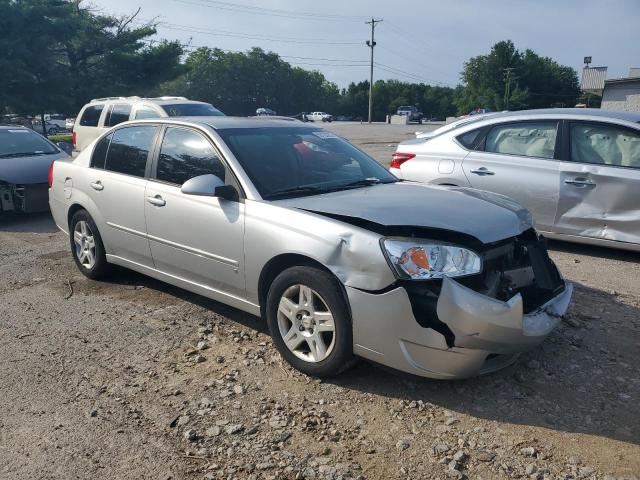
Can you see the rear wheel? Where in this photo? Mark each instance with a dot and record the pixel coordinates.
(87, 247)
(309, 321)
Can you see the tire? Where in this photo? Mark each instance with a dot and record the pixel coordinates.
(52, 130)
(92, 266)
(309, 330)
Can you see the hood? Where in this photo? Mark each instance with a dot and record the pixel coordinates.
(483, 215)
(26, 170)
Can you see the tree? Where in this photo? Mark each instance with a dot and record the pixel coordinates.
(239, 82)
(55, 55)
(506, 76)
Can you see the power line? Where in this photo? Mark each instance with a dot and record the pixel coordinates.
(397, 71)
(267, 38)
(413, 60)
(251, 9)
(350, 62)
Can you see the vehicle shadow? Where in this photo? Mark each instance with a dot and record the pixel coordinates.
(27, 223)
(582, 379)
(128, 278)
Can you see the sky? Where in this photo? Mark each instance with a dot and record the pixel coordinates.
(419, 41)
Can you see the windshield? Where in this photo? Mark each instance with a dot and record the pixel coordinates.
(23, 142)
(192, 110)
(287, 162)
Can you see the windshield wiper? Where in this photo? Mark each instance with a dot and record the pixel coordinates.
(303, 190)
(21, 154)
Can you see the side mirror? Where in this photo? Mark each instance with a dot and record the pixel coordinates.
(209, 186)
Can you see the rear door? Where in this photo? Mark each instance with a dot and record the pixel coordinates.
(116, 183)
(600, 182)
(518, 159)
(195, 238)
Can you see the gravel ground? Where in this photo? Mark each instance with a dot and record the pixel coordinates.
(132, 378)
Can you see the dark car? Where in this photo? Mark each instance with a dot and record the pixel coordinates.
(25, 158)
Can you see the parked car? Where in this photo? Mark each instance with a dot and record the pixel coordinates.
(265, 112)
(102, 113)
(576, 170)
(413, 112)
(25, 158)
(319, 117)
(293, 223)
(54, 123)
(480, 111)
(68, 124)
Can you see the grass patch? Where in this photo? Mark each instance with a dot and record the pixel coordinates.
(60, 138)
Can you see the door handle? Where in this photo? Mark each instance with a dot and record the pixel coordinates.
(158, 201)
(97, 185)
(482, 171)
(580, 182)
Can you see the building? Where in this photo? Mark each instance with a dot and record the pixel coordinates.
(622, 94)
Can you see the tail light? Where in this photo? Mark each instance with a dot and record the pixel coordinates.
(73, 138)
(399, 158)
(51, 173)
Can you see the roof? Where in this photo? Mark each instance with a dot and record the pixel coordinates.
(12, 127)
(220, 122)
(614, 81)
(574, 112)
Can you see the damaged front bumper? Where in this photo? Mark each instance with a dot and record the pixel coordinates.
(30, 198)
(487, 334)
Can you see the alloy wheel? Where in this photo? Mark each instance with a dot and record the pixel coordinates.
(85, 244)
(306, 324)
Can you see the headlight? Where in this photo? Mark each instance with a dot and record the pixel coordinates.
(427, 259)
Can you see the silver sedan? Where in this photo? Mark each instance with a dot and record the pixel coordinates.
(576, 170)
(296, 225)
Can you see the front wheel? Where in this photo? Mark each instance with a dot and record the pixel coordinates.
(309, 321)
(87, 247)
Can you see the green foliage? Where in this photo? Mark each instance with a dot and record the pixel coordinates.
(535, 81)
(238, 83)
(61, 138)
(55, 55)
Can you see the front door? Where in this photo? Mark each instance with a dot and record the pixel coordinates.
(195, 238)
(517, 159)
(116, 184)
(600, 182)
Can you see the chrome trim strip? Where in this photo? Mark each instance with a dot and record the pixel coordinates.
(127, 230)
(194, 251)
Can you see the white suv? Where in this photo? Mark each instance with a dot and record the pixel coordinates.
(100, 114)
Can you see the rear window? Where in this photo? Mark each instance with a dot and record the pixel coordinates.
(470, 139)
(192, 110)
(23, 142)
(91, 116)
(117, 114)
(129, 150)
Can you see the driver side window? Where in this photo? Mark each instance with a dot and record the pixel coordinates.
(186, 154)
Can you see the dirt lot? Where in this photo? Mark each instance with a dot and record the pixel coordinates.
(134, 379)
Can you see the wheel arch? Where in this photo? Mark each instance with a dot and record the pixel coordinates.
(279, 264)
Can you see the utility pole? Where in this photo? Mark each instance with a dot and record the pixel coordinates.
(371, 44)
(507, 86)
